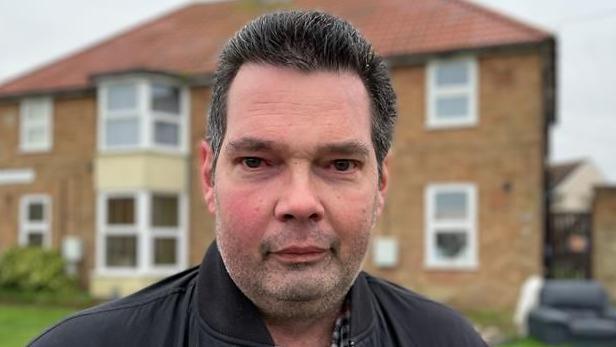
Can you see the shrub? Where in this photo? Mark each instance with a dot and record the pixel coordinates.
(33, 269)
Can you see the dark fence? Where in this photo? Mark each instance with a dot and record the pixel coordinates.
(568, 246)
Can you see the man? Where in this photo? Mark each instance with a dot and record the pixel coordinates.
(295, 169)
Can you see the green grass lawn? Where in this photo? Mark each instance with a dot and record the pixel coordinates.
(20, 323)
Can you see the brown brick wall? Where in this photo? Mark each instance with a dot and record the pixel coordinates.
(64, 173)
(201, 222)
(502, 155)
(604, 237)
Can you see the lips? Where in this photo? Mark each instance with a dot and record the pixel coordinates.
(300, 254)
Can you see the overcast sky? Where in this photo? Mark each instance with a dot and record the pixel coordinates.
(33, 33)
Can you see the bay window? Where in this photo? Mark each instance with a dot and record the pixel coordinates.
(142, 113)
(141, 232)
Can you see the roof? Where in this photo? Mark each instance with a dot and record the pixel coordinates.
(187, 41)
(557, 173)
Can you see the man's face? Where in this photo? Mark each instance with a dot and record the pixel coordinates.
(296, 188)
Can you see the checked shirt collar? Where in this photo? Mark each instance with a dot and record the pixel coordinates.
(341, 336)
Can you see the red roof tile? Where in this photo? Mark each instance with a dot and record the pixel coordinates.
(188, 40)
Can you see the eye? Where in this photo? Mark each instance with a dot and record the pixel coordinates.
(252, 162)
(343, 164)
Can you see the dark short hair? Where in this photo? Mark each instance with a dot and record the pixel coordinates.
(307, 41)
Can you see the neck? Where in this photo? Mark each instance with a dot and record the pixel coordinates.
(315, 331)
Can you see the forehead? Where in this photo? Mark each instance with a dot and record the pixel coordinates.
(264, 99)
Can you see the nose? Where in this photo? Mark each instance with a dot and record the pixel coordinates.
(299, 199)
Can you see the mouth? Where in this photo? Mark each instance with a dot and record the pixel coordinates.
(300, 254)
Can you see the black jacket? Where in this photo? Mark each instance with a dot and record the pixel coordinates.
(203, 307)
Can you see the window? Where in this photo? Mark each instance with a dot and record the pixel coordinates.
(139, 113)
(451, 226)
(122, 116)
(166, 114)
(120, 216)
(165, 223)
(121, 251)
(36, 125)
(452, 93)
(141, 232)
(35, 221)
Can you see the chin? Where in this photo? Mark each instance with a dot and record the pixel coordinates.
(306, 290)
(302, 300)
(308, 284)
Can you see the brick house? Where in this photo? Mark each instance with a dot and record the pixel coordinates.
(99, 149)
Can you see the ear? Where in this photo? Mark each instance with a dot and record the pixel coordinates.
(207, 179)
(383, 184)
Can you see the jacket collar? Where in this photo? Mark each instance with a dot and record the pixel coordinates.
(225, 309)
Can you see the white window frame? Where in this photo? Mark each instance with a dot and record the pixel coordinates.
(434, 92)
(126, 114)
(26, 124)
(146, 115)
(144, 232)
(165, 232)
(166, 117)
(469, 224)
(26, 226)
(16, 176)
(118, 230)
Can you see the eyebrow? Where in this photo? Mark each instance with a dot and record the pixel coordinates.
(346, 148)
(251, 144)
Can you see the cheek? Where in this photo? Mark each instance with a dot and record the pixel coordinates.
(243, 217)
(352, 214)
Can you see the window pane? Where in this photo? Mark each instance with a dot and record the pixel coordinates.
(452, 106)
(122, 132)
(452, 73)
(36, 112)
(165, 98)
(35, 135)
(165, 251)
(164, 211)
(36, 212)
(122, 97)
(121, 211)
(451, 245)
(166, 133)
(35, 239)
(121, 251)
(451, 205)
